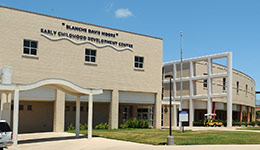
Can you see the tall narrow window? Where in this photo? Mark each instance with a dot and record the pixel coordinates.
(224, 84)
(90, 55)
(30, 47)
(246, 89)
(205, 82)
(139, 62)
(237, 87)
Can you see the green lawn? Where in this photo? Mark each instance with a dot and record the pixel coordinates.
(249, 128)
(158, 137)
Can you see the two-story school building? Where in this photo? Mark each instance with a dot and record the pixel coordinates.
(126, 66)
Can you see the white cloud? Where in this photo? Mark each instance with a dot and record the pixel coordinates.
(123, 13)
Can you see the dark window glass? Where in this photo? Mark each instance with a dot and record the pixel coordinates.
(29, 107)
(145, 110)
(93, 53)
(12, 107)
(93, 59)
(26, 50)
(4, 127)
(20, 107)
(26, 43)
(87, 58)
(139, 110)
(224, 83)
(33, 51)
(90, 55)
(33, 44)
(74, 108)
(139, 62)
(81, 108)
(30, 47)
(67, 108)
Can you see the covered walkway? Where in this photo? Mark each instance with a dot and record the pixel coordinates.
(66, 86)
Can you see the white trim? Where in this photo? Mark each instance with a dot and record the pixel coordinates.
(85, 42)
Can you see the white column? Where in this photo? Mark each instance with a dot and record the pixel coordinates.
(15, 117)
(59, 112)
(90, 115)
(77, 115)
(229, 93)
(175, 113)
(209, 104)
(191, 108)
(114, 110)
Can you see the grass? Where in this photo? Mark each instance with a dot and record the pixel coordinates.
(159, 137)
(249, 128)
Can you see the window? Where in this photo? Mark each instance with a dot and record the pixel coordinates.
(237, 87)
(29, 107)
(90, 55)
(246, 89)
(139, 62)
(81, 108)
(205, 82)
(30, 47)
(224, 84)
(20, 107)
(67, 108)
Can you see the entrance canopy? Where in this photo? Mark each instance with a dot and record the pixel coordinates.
(61, 84)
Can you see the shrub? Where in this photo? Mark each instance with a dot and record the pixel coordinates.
(86, 126)
(71, 127)
(236, 123)
(102, 126)
(135, 123)
(198, 123)
(258, 123)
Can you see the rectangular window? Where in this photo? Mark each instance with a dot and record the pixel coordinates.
(67, 108)
(81, 108)
(246, 89)
(139, 62)
(29, 107)
(237, 87)
(20, 107)
(30, 47)
(224, 84)
(90, 55)
(205, 82)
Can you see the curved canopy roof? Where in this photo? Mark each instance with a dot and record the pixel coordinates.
(61, 84)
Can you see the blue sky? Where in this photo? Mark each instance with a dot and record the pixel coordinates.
(209, 26)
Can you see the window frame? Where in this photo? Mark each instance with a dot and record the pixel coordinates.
(90, 56)
(138, 62)
(30, 48)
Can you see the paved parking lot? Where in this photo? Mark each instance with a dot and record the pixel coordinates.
(67, 141)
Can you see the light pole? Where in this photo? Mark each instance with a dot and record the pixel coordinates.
(170, 138)
(180, 108)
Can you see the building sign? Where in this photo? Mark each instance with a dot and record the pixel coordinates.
(183, 116)
(86, 35)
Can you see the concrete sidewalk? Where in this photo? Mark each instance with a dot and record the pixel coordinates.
(67, 141)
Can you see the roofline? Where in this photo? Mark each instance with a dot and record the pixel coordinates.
(178, 61)
(1, 6)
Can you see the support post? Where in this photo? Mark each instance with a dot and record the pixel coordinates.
(209, 84)
(214, 110)
(15, 117)
(6, 107)
(248, 114)
(229, 93)
(59, 112)
(114, 110)
(90, 115)
(191, 107)
(241, 113)
(77, 115)
(158, 107)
